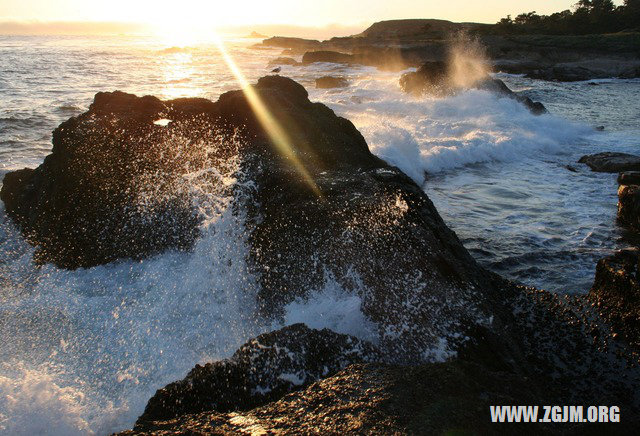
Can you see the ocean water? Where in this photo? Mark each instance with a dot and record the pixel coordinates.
(82, 351)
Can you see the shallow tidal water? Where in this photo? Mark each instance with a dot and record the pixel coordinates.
(82, 351)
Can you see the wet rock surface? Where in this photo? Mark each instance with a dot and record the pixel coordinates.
(611, 162)
(263, 370)
(616, 294)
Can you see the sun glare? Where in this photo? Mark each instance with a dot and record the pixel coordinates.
(178, 27)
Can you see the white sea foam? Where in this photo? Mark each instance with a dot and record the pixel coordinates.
(435, 134)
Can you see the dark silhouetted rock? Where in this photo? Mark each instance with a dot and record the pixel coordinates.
(434, 78)
(327, 56)
(312, 214)
(430, 78)
(263, 370)
(276, 70)
(629, 178)
(616, 294)
(328, 82)
(629, 206)
(611, 162)
(283, 61)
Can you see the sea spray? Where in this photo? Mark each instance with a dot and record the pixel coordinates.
(468, 63)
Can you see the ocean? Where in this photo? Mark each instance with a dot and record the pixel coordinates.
(82, 351)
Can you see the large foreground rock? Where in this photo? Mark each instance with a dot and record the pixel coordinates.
(117, 185)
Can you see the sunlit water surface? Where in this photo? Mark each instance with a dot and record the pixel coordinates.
(82, 351)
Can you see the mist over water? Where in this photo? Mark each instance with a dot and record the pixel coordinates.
(83, 350)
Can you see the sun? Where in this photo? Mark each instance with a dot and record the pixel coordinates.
(184, 23)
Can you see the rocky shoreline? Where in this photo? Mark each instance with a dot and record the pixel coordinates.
(450, 339)
(400, 44)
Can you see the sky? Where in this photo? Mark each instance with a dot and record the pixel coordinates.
(317, 13)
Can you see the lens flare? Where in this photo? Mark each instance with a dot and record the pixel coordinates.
(272, 127)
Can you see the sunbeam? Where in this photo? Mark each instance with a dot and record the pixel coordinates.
(276, 132)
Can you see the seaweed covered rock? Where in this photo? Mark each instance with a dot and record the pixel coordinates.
(263, 370)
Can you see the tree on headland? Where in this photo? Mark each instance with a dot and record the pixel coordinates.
(587, 17)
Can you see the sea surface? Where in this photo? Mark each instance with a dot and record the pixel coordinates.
(82, 351)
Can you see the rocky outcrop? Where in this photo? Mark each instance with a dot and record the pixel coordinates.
(430, 78)
(110, 188)
(295, 44)
(616, 294)
(498, 87)
(263, 370)
(611, 162)
(334, 57)
(629, 200)
(328, 82)
(283, 61)
(435, 78)
(375, 399)
(320, 200)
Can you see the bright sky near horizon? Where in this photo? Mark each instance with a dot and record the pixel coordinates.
(246, 12)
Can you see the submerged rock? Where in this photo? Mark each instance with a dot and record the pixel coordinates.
(328, 82)
(611, 162)
(434, 78)
(263, 370)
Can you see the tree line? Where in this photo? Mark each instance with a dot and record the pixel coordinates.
(587, 17)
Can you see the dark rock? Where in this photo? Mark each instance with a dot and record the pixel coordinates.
(430, 78)
(629, 178)
(563, 74)
(442, 398)
(611, 162)
(434, 78)
(109, 190)
(315, 209)
(499, 87)
(276, 70)
(263, 370)
(616, 294)
(328, 82)
(283, 61)
(571, 168)
(296, 44)
(327, 56)
(629, 206)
